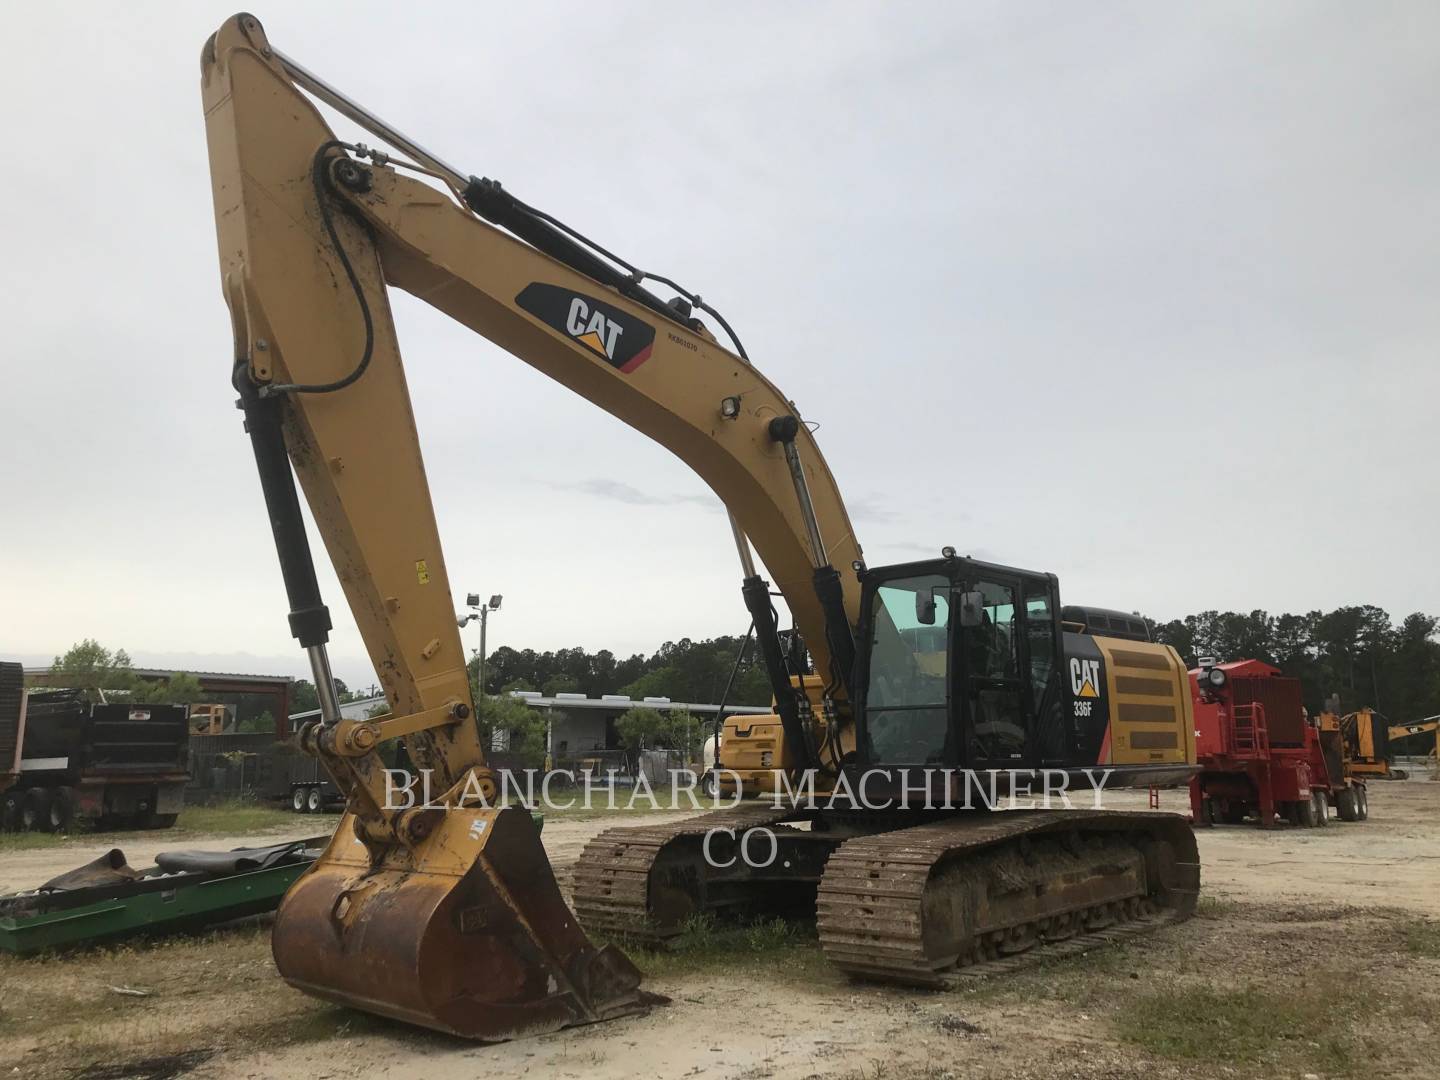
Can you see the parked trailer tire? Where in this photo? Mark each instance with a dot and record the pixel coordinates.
(1362, 802)
(297, 800)
(35, 810)
(314, 801)
(1347, 805)
(152, 820)
(62, 810)
(10, 810)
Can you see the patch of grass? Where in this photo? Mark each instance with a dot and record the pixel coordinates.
(1214, 907)
(1296, 1027)
(195, 822)
(1422, 938)
(241, 816)
(41, 994)
(26, 841)
(213, 991)
(706, 945)
(1087, 979)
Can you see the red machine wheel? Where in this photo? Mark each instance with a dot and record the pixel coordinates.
(1347, 805)
(1322, 807)
(1362, 802)
(1304, 810)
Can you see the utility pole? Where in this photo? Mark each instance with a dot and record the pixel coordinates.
(482, 612)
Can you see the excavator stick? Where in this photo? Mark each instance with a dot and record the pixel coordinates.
(447, 916)
(470, 936)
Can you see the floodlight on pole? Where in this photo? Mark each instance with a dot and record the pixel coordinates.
(482, 612)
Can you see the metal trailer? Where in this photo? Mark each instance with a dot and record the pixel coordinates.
(106, 900)
(118, 765)
(12, 723)
(310, 791)
(1261, 756)
(255, 765)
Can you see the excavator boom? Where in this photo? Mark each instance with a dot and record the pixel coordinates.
(447, 917)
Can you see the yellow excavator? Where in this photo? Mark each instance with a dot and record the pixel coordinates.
(1367, 736)
(903, 688)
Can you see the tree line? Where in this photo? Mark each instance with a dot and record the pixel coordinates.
(103, 674)
(683, 670)
(1356, 653)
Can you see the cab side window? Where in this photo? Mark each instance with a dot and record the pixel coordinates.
(990, 648)
(1040, 636)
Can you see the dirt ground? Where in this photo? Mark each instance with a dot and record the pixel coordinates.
(1316, 954)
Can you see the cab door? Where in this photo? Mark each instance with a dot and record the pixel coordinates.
(1045, 670)
(992, 674)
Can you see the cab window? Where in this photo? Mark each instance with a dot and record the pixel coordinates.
(909, 656)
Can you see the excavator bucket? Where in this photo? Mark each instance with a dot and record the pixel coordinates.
(467, 934)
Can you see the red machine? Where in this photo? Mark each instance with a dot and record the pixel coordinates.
(1260, 754)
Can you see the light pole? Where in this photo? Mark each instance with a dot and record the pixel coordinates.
(481, 612)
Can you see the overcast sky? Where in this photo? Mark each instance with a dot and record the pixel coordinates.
(1142, 294)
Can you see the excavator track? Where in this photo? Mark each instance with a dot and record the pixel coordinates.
(644, 881)
(965, 895)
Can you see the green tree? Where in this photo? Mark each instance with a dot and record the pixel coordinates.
(684, 670)
(527, 728)
(89, 666)
(255, 724)
(560, 684)
(303, 696)
(683, 732)
(1410, 673)
(181, 688)
(644, 728)
(1355, 652)
(639, 727)
(1179, 635)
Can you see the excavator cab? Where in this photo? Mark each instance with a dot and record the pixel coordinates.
(957, 662)
(963, 664)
